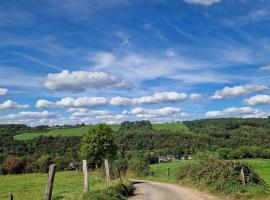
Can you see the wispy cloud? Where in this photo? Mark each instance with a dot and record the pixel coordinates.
(203, 2)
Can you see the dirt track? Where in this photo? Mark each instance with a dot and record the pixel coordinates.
(148, 190)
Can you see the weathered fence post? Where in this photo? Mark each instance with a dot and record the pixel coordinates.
(107, 169)
(49, 187)
(85, 177)
(168, 171)
(11, 196)
(242, 174)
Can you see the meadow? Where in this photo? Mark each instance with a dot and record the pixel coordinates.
(80, 131)
(67, 185)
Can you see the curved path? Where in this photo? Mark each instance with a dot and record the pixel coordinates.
(149, 190)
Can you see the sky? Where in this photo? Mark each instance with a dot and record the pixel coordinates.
(92, 61)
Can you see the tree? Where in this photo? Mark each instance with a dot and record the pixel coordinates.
(97, 145)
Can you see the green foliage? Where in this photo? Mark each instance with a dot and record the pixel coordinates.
(43, 163)
(117, 192)
(128, 126)
(97, 145)
(219, 175)
(138, 165)
(12, 129)
(244, 152)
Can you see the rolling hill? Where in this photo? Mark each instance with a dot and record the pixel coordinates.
(82, 130)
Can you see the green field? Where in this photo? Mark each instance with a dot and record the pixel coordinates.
(32, 186)
(262, 167)
(60, 132)
(82, 130)
(160, 170)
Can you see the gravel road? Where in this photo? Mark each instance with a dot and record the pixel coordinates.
(149, 190)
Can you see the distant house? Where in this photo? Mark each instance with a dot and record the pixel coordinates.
(186, 157)
(166, 158)
(74, 166)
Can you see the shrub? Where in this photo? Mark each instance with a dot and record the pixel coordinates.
(219, 175)
(12, 165)
(138, 166)
(43, 163)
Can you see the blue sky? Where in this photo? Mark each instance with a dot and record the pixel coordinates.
(67, 62)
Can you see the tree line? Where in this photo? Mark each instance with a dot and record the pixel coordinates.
(229, 138)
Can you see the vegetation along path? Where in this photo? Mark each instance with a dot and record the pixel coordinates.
(149, 190)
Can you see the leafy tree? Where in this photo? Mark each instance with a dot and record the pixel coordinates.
(97, 145)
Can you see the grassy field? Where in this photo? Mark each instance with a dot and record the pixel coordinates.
(60, 132)
(160, 170)
(32, 186)
(82, 130)
(262, 167)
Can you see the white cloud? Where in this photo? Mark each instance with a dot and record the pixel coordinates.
(34, 115)
(120, 101)
(229, 92)
(43, 103)
(195, 97)
(160, 97)
(86, 102)
(80, 102)
(9, 104)
(83, 102)
(82, 112)
(203, 2)
(33, 118)
(265, 68)
(161, 114)
(154, 112)
(234, 111)
(258, 100)
(78, 81)
(3, 91)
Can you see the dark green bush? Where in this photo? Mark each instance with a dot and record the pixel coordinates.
(219, 175)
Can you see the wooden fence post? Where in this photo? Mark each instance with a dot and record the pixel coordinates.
(168, 171)
(49, 187)
(107, 169)
(242, 174)
(11, 196)
(85, 177)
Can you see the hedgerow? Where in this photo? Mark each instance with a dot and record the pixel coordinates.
(219, 175)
